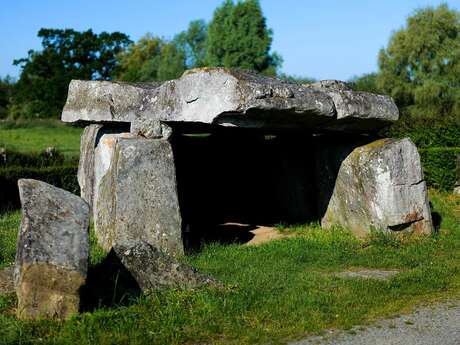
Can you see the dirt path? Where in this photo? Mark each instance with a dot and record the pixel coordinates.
(435, 325)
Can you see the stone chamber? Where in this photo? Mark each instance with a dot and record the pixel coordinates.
(189, 161)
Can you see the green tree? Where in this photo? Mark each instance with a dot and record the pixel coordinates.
(6, 88)
(238, 37)
(420, 67)
(193, 43)
(67, 54)
(151, 59)
(366, 82)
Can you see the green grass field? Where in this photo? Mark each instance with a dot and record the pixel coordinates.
(36, 136)
(275, 292)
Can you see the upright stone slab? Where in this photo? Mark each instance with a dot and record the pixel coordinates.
(457, 183)
(86, 165)
(52, 251)
(136, 194)
(379, 185)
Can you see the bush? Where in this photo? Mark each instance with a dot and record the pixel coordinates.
(62, 176)
(426, 133)
(52, 157)
(440, 166)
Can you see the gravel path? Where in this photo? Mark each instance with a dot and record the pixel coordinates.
(435, 325)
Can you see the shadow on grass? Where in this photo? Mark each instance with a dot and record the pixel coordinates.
(108, 284)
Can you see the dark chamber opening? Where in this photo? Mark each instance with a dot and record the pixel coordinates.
(244, 178)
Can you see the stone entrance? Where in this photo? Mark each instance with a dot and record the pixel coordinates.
(218, 146)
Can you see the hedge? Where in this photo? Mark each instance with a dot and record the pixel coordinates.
(440, 166)
(63, 176)
(9, 158)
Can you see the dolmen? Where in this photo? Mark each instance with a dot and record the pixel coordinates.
(160, 161)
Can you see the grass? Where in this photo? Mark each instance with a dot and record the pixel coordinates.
(274, 292)
(37, 135)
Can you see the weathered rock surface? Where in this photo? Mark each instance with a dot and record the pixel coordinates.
(351, 105)
(379, 185)
(7, 280)
(155, 270)
(457, 184)
(52, 251)
(86, 165)
(229, 98)
(136, 193)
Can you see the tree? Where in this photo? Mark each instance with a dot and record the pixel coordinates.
(193, 43)
(366, 82)
(420, 67)
(238, 37)
(6, 87)
(67, 54)
(151, 59)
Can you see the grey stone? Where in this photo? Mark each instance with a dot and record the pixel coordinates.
(379, 185)
(7, 280)
(86, 165)
(226, 97)
(368, 274)
(351, 106)
(52, 251)
(457, 183)
(136, 193)
(155, 270)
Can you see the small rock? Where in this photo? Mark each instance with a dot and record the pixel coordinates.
(368, 274)
(155, 270)
(52, 251)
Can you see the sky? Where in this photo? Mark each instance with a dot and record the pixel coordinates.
(321, 39)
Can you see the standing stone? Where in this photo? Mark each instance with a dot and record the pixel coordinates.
(52, 251)
(457, 183)
(86, 166)
(154, 270)
(379, 186)
(136, 194)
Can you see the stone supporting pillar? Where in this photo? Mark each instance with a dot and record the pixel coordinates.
(457, 183)
(86, 165)
(136, 193)
(376, 186)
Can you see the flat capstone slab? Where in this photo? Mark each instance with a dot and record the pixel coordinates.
(232, 98)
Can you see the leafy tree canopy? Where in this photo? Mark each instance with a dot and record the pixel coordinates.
(6, 87)
(193, 43)
(238, 37)
(420, 67)
(67, 54)
(151, 58)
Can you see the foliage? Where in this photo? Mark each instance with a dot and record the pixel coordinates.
(426, 133)
(420, 67)
(238, 37)
(63, 176)
(365, 82)
(67, 54)
(193, 43)
(296, 79)
(150, 59)
(275, 292)
(6, 88)
(440, 167)
(31, 159)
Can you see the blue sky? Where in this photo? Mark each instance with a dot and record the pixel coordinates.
(323, 39)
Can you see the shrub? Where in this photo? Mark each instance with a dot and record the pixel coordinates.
(62, 176)
(52, 157)
(440, 166)
(426, 133)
